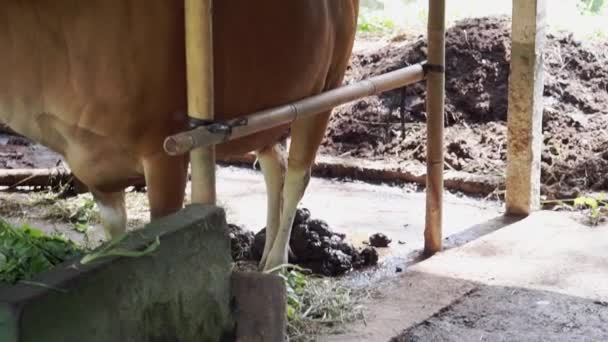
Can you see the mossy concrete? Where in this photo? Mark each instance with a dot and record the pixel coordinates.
(180, 292)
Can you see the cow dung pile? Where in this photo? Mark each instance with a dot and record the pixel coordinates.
(379, 240)
(313, 246)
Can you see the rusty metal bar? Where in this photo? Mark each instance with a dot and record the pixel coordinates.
(219, 132)
(199, 63)
(435, 113)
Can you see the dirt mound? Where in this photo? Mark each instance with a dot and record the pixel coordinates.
(392, 125)
(17, 152)
(313, 245)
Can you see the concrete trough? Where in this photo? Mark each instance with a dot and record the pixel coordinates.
(183, 291)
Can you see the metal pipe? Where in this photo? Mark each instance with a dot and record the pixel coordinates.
(199, 63)
(224, 131)
(435, 97)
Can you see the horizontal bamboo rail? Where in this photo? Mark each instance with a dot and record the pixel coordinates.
(219, 132)
(13, 178)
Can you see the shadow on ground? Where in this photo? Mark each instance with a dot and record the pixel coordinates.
(479, 230)
(426, 307)
(501, 313)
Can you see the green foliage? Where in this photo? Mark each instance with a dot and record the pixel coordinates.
(591, 6)
(371, 21)
(27, 251)
(595, 209)
(296, 284)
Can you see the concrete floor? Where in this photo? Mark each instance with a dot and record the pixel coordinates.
(354, 208)
(358, 210)
(548, 268)
(544, 277)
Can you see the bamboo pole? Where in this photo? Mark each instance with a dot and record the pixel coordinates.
(250, 124)
(435, 115)
(199, 63)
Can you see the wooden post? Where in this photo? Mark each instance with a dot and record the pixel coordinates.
(435, 120)
(199, 62)
(525, 107)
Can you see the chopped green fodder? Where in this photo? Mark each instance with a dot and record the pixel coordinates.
(80, 211)
(318, 305)
(26, 252)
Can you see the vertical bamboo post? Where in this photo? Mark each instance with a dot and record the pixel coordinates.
(199, 66)
(435, 121)
(524, 135)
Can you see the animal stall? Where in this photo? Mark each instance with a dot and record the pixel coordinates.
(185, 288)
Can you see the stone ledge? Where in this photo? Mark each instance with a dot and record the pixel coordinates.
(180, 292)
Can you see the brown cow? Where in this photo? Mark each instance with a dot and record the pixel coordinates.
(103, 83)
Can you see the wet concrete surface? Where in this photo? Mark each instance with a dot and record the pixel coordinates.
(353, 208)
(359, 210)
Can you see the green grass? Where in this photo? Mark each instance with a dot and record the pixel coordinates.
(26, 251)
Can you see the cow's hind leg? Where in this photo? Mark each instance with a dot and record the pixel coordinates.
(306, 135)
(166, 182)
(112, 212)
(272, 161)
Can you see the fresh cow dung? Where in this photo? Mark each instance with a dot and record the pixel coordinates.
(313, 245)
(379, 240)
(241, 241)
(369, 255)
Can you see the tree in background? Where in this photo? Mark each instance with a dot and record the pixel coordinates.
(591, 6)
